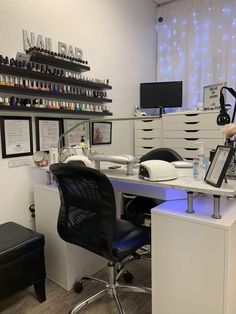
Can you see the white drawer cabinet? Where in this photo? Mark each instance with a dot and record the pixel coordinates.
(193, 263)
(147, 135)
(181, 131)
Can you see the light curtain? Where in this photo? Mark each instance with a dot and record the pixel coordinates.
(196, 43)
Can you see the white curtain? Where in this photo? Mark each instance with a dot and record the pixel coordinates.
(196, 43)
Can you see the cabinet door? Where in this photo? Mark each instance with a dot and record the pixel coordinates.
(188, 260)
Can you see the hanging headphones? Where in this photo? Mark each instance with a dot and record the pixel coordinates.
(223, 118)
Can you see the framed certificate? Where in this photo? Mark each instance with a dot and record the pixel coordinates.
(48, 131)
(16, 136)
(101, 133)
(219, 165)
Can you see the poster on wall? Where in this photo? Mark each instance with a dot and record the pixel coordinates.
(211, 96)
(48, 131)
(16, 136)
(101, 133)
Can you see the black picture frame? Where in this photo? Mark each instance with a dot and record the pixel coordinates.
(219, 165)
(18, 131)
(44, 144)
(101, 133)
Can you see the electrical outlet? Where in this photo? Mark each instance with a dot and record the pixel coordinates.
(14, 163)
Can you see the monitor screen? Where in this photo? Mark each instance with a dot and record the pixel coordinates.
(161, 94)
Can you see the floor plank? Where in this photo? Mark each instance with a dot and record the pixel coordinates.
(60, 301)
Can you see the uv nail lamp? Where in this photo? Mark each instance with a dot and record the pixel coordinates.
(157, 170)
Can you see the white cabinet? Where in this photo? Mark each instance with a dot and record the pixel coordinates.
(147, 135)
(65, 262)
(193, 258)
(181, 130)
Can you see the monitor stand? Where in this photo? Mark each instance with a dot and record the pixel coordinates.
(161, 111)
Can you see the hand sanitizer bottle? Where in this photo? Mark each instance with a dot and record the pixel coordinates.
(199, 163)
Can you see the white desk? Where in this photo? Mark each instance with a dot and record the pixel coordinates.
(193, 255)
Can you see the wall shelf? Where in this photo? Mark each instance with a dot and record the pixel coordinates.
(59, 63)
(19, 72)
(46, 110)
(12, 90)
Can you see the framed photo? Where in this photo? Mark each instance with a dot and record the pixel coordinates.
(211, 96)
(101, 133)
(74, 137)
(16, 136)
(219, 165)
(48, 131)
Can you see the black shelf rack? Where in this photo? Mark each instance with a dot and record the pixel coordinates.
(9, 70)
(46, 110)
(12, 90)
(58, 63)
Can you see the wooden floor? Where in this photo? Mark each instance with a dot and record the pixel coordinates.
(60, 301)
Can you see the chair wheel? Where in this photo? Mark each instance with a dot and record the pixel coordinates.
(128, 277)
(78, 287)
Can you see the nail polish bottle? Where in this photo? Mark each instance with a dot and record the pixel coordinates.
(28, 103)
(18, 104)
(1, 101)
(6, 101)
(12, 101)
(2, 82)
(24, 66)
(33, 67)
(6, 61)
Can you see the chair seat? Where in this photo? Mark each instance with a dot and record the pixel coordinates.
(16, 240)
(128, 238)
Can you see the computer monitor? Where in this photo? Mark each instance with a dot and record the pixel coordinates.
(161, 94)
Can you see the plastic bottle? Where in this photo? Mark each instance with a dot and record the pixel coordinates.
(199, 163)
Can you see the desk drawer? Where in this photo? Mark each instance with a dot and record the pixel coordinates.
(191, 153)
(191, 143)
(152, 142)
(201, 125)
(193, 117)
(193, 134)
(147, 124)
(148, 133)
(142, 150)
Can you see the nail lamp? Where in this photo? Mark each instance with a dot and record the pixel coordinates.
(157, 170)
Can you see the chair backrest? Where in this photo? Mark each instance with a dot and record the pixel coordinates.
(87, 212)
(162, 153)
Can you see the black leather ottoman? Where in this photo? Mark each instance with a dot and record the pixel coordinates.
(21, 260)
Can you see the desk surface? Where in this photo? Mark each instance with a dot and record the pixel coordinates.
(185, 181)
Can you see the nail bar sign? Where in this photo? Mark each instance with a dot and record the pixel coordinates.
(46, 43)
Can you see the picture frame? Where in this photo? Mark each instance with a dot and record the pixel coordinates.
(219, 165)
(101, 133)
(48, 131)
(211, 96)
(16, 136)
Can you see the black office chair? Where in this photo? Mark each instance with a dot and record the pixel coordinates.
(87, 218)
(162, 153)
(137, 208)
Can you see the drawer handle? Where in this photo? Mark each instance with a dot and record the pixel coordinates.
(191, 131)
(147, 147)
(191, 148)
(192, 139)
(188, 158)
(191, 114)
(147, 130)
(147, 120)
(191, 122)
(148, 138)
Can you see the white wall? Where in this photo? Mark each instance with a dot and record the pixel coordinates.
(118, 39)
